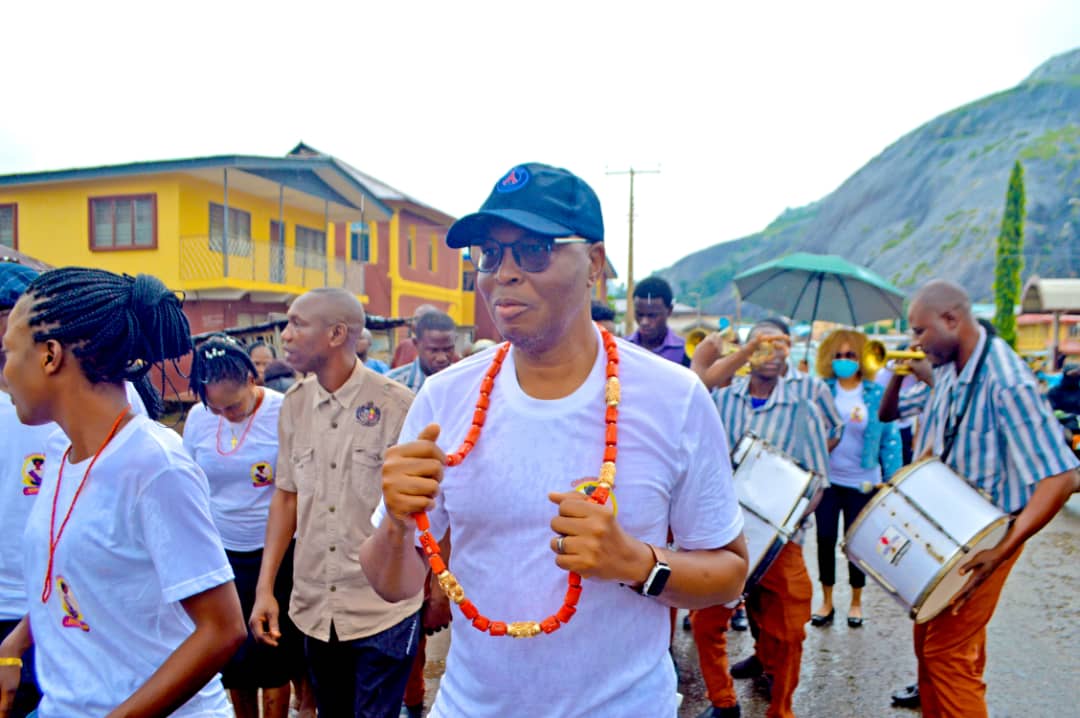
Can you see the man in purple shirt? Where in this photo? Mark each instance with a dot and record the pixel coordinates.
(652, 307)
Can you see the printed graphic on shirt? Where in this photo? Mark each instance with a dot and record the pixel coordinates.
(72, 617)
(368, 414)
(588, 485)
(32, 469)
(857, 415)
(262, 474)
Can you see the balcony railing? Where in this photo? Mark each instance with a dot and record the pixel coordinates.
(260, 260)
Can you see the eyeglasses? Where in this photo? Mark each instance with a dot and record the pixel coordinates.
(532, 254)
(845, 355)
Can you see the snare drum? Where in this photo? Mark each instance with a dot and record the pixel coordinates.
(774, 492)
(917, 531)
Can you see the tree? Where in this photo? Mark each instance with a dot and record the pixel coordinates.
(1010, 258)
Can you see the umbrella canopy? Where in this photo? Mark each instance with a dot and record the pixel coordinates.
(807, 287)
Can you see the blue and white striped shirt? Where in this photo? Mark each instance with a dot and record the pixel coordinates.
(411, 375)
(799, 418)
(1008, 441)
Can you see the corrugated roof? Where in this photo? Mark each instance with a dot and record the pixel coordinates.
(1051, 295)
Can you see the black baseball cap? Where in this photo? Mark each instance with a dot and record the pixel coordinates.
(545, 200)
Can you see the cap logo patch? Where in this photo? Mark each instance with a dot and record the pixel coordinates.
(513, 180)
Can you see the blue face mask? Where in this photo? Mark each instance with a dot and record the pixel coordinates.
(844, 368)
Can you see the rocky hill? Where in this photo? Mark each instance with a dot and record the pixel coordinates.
(930, 204)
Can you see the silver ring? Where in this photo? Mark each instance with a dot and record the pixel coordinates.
(558, 544)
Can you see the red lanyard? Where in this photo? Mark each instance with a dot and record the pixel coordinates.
(54, 542)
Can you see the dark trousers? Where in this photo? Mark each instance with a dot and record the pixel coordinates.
(835, 500)
(365, 677)
(28, 695)
(907, 436)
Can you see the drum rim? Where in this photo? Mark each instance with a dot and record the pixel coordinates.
(961, 552)
(889, 486)
(814, 480)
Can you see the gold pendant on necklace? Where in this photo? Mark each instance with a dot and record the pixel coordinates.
(232, 442)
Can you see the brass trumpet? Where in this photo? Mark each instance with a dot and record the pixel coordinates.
(875, 356)
(694, 338)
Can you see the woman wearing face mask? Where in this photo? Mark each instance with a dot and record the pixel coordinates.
(869, 452)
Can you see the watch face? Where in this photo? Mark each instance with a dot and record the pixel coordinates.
(658, 579)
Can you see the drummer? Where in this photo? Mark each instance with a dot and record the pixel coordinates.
(985, 418)
(797, 416)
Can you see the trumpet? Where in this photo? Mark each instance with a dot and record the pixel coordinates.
(694, 338)
(875, 356)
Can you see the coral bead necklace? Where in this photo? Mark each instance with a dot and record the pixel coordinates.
(605, 483)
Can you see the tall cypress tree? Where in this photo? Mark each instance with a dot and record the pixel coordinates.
(1010, 258)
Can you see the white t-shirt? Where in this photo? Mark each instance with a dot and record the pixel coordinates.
(241, 480)
(140, 539)
(845, 461)
(673, 469)
(22, 465)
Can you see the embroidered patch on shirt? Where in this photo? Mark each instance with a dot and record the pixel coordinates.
(368, 414)
(262, 474)
(72, 617)
(31, 474)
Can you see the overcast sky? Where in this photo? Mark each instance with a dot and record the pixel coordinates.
(746, 108)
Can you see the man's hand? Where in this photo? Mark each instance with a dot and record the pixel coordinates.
(980, 568)
(264, 619)
(435, 613)
(756, 349)
(411, 474)
(594, 544)
(10, 676)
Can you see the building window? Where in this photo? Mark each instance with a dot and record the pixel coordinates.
(128, 222)
(433, 253)
(360, 244)
(239, 230)
(468, 280)
(9, 225)
(410, 248)
(310, 248)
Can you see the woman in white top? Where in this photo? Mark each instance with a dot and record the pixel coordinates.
(868, 453)
(233, 436)
(132, 609)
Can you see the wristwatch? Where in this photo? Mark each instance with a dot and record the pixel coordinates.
(658, 577)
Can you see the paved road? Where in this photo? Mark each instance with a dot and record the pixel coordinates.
(1033, 669)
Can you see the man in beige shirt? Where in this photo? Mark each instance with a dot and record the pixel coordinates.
(334, 427)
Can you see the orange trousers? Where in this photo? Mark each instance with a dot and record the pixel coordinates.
(952, 652)
(779, 607)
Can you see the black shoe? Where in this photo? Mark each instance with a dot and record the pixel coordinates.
(714, 712)
(907, 697)
(686, 622)
(747, 668)
(763, 686)
(854, 622)
(826, 620)
(739, 622)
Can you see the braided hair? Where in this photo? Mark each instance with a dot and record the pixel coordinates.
(117, 326)
(220, 359)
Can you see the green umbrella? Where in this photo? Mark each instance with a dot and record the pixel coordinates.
(807, 287)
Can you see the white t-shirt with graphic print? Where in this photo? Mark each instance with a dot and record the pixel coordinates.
(140, 539)
(22, 466)
(845, 461)
(241, 479)
(673, 469)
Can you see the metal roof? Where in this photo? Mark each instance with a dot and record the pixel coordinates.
(1051, 295)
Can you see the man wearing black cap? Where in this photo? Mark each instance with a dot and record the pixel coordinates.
(542, 428)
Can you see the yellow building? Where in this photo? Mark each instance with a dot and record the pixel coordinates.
(240, 236)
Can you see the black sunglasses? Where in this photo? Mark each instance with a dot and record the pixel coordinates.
(845, 355)
(532, 254)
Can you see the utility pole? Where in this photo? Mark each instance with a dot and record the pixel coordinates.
(629, 317)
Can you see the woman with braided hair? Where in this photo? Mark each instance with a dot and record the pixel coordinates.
(232, 433)
(132, 605)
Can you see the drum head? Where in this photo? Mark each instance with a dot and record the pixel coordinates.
(940, 593)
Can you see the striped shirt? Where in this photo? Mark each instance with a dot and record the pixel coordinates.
(411, 375)
(1009, 439)
(799, 417)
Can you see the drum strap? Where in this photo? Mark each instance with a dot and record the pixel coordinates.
(952, 428)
